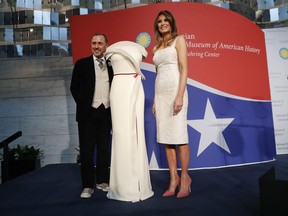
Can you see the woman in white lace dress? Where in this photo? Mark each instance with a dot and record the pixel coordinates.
(129, 171)
(171, 100)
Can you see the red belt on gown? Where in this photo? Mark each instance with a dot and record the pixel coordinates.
(135, 74)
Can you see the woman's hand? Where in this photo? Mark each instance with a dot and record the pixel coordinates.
(178, 104)
(153, 109)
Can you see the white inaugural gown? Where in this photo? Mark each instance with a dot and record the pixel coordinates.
(129, 173)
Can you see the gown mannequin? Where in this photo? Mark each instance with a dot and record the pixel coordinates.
(129, 171)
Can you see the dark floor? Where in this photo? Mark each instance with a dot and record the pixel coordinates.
(54, 190)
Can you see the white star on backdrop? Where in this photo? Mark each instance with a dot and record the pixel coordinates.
(211, 129)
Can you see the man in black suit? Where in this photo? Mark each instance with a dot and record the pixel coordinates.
(90, 88)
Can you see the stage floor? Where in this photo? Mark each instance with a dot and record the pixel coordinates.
(54, 190)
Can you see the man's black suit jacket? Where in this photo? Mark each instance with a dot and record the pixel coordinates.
(83, 85)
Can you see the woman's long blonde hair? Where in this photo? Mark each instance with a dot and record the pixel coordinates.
(158, 35)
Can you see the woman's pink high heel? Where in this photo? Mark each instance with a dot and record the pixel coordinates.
(185, 194)
(171, 193)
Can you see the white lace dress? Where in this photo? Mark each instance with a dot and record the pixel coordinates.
(129, 171)
(170, 129)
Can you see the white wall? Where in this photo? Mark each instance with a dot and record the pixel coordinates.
(35, 98)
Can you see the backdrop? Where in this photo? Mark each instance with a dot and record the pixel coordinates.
(230, 116)
(277, 56)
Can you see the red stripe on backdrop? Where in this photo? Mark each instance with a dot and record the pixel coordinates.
(226, 51)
